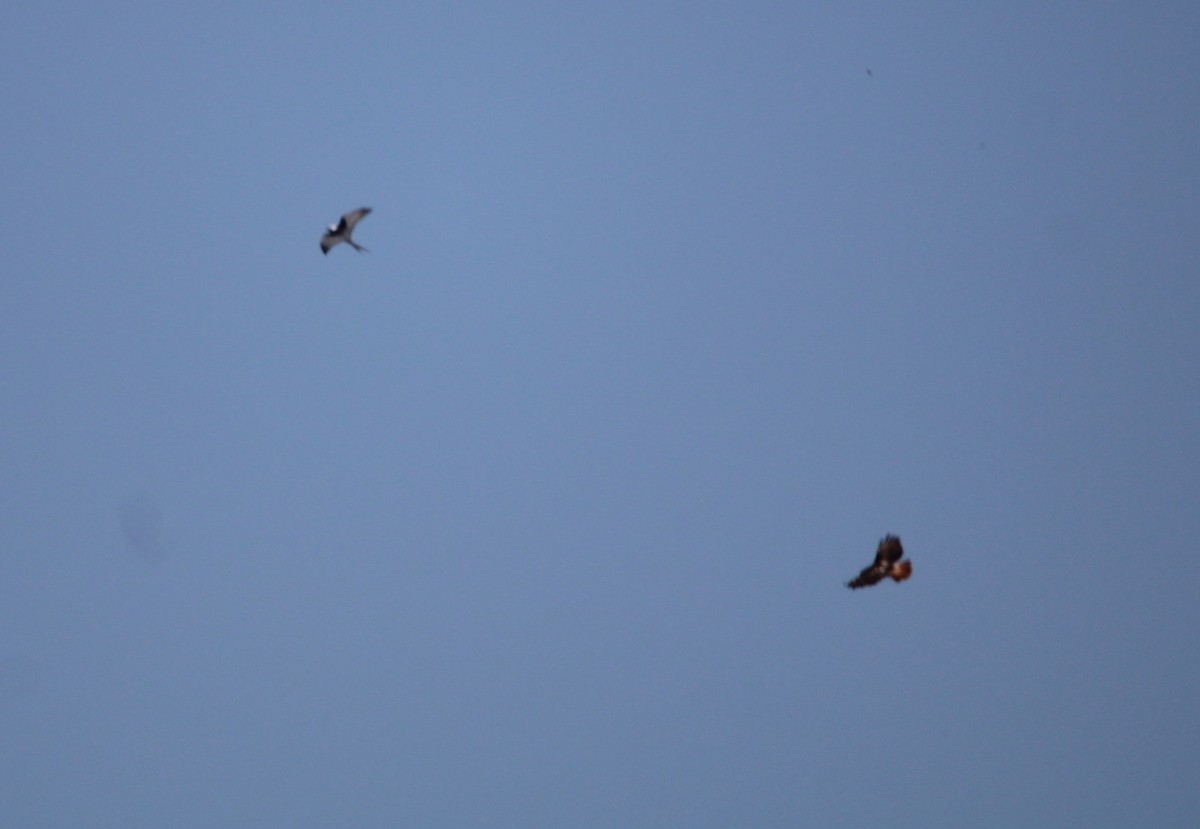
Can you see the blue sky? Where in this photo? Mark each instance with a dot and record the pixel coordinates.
(539, 514)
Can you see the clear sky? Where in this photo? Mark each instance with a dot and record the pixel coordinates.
(539, 514)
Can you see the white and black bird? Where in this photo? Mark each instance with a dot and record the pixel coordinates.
(341, 231)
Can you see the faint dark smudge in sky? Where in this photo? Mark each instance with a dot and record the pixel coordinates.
(141, 524)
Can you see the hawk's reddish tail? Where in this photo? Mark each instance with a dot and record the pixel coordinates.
(902, 570)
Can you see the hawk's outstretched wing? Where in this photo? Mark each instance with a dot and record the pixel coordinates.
(889, 550)
(869, 575)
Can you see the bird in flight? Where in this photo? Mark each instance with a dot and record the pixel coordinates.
(341, 231)
(887, 563)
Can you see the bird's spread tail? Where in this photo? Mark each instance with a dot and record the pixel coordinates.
(902, 570)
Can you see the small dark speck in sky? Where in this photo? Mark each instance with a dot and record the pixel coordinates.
(141, 524)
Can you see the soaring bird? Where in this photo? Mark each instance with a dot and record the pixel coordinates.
(341, 231)
(887, 563)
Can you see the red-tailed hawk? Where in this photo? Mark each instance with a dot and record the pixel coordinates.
(887, 563)
(341, 231)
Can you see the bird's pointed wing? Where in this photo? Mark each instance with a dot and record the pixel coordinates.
(352, 218)
(335, 234)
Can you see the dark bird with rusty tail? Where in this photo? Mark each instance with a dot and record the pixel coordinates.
(887, 565)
